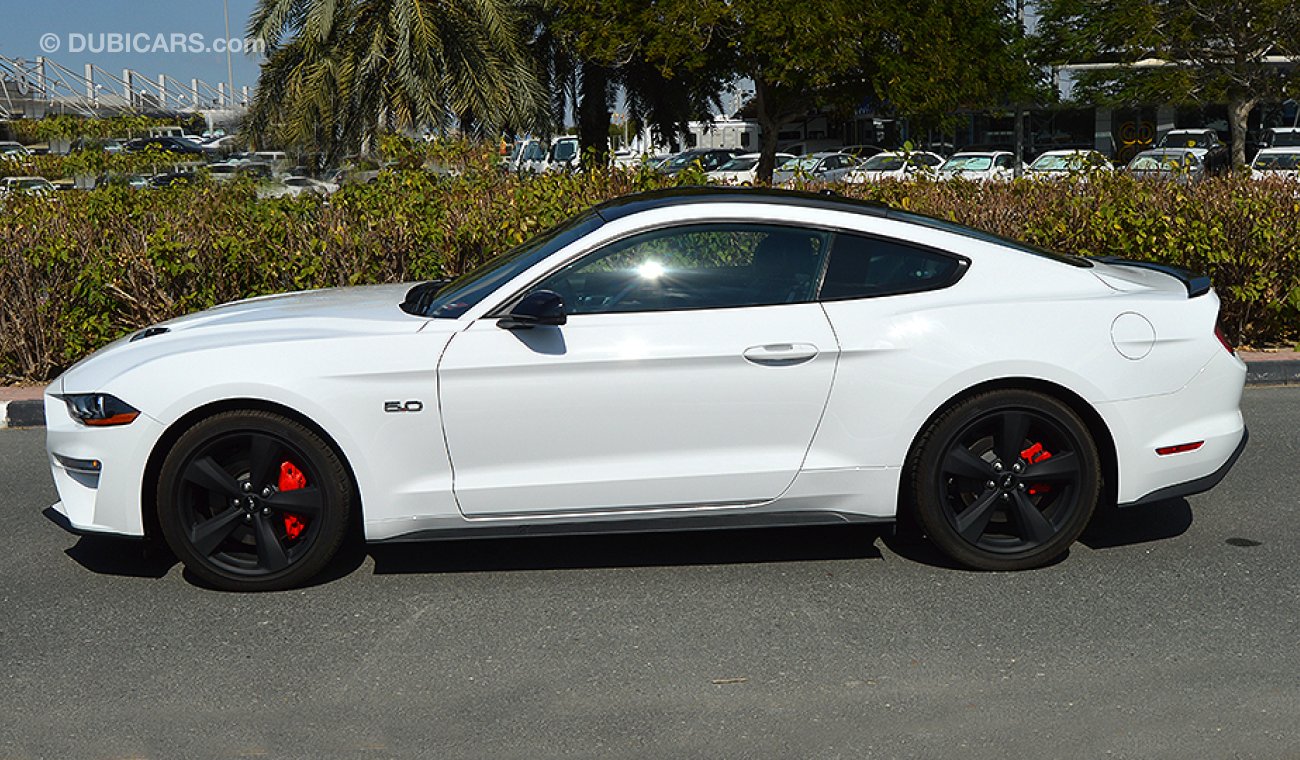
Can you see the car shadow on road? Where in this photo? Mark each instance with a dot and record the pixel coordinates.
(658, 549)
(1138, 525)
(124, 557)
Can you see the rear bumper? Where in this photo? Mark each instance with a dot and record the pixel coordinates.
(1198, 485)
(1206, 410)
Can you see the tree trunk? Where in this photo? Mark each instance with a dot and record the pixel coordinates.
(1239, 108)
(593, 115)
(767, 126)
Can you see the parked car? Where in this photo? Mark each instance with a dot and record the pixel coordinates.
(563, 155)
(173, 179)
(1178, 164)
(295, 186)
(226, 171)
(743, 169)
(108, 144)
(531, 157)
(178, 145)
(707, 158)
(12, 150)
(896, 165)
(1063, 163)
(862, 152)
(1280, 137)
(815, 167)
(1283, 163)
(684, 359)
(27, 185)
(995, 166)
(1210, 151)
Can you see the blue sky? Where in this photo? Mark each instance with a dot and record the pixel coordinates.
(79, 22)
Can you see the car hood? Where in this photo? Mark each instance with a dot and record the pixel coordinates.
(367, 307)
(306, 316)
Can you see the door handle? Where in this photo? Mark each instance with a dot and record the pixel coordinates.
(780, 354)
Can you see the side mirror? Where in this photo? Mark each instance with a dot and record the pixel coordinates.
(541, 307)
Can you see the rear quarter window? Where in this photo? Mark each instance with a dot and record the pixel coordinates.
(867, 267)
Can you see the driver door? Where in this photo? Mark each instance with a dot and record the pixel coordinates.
(692, 371)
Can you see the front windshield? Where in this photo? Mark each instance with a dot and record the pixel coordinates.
(884, 163)
(534, 152)
(801, 164)
(681, 160)
(464, 292)
(967, 164)
(1286, 139)
(1057, 163)
(1185, 140)
(566, 150)
(738, 165)
(1157, 163)
(1277, 162)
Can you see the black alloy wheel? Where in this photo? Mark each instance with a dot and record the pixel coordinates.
(1006, 480)
(253, 501)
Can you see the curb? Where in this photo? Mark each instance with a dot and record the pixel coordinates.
(1285, 372)
(22, 413)
(27, 413)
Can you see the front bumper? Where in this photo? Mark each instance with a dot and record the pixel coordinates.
(104, 502)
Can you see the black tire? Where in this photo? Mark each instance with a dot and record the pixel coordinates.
(223, 513)
(991, 501)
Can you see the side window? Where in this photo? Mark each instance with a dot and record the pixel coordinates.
(697, 267)
(863, 267)
(1006, 162)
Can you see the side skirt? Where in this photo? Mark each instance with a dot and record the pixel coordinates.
(642, 525)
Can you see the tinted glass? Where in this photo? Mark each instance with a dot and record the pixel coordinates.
(467, 290)
(862, 267)
(696, 267)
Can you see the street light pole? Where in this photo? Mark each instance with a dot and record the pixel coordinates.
(230, 67)
(1019, 127)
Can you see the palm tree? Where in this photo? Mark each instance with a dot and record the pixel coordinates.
(339, 71)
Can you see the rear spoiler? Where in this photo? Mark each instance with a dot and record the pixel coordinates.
(1197, 285)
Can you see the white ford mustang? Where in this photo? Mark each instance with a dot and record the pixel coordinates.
(688, 359)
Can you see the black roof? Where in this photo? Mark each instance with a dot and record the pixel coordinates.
(690, 196)
(826, 200)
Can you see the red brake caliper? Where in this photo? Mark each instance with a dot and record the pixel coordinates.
(1033, 455)
(291, 479)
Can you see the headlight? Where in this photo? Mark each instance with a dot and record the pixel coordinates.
(100, 409)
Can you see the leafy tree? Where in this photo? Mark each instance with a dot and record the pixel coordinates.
(337, 71)
(1189, 51)
(922, 58)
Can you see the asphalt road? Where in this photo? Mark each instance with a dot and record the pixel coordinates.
(1171, 632)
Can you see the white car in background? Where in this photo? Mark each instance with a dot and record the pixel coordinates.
(1054, 164)
(828, 166)
(291, 187)
(563, 155)
(28, 185)
(13, 150)
(743, 169)
(1281, 163)
(979, 166)
(896, 165)
(1280, 137)
(688, 359)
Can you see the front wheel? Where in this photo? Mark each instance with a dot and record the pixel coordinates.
(1006, 480)
(253, 501)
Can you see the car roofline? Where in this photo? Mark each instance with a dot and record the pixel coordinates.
(701, 195)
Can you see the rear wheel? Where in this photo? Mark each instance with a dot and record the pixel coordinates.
(253, 501)
(1006, 480)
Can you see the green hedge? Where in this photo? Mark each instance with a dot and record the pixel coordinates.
(83, 268)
